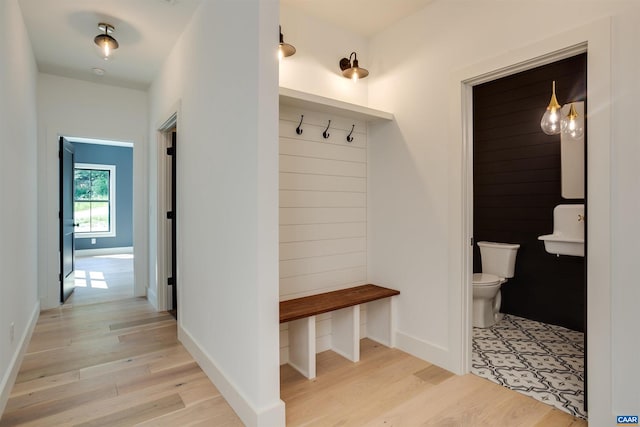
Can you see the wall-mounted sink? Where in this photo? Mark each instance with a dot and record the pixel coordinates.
(568, 231)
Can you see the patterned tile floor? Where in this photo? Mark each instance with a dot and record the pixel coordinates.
(539, 360)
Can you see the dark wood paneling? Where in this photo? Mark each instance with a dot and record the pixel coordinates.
(517, 184)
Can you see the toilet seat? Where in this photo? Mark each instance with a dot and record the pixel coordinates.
(486, 279)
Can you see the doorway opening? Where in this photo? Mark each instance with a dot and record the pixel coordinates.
(168, 276)
(96, 199)
(537, 344)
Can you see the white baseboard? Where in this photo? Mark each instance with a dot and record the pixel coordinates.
(152, 297)
(14, 366)
(273, 416)
(104, 251)
(430, 352)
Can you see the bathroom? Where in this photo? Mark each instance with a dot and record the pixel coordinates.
(536, 346)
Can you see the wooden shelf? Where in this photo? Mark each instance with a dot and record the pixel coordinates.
(321, 104)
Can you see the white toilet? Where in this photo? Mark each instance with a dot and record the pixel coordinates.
(498, 263)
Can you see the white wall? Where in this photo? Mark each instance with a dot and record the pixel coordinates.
(222, 73)
(18, 180)
(69, 107)
(416, 189)
(319, 46)
(323, 212)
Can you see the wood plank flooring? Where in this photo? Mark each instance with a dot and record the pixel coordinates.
(112, 364)
(120, 364)
(391, 388)
(102, 278)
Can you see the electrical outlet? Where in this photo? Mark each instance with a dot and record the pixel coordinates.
(93, 241)
(12, 331)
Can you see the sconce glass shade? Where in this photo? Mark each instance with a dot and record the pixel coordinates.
(573, 125)
(105, 42)
(352, 70)
(285, 49)
(550, 122)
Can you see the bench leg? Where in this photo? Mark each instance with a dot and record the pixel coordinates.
(379, 321)
(345, 332)
(302, 346)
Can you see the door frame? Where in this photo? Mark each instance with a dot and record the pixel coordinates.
(62, 147)
(164, 141)
(595, 39)
(139, 287)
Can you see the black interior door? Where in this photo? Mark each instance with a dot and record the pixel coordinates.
(67, 279)
(171, 215)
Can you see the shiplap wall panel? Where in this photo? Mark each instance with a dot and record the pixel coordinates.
(304, 285)
(296, 147)
(310, 165)
(318, 248)
(318, 264)
(323, 215)
(330, 231)
(322, 199)
(296, 181)
(300, 216)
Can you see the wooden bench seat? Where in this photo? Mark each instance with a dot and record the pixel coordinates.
(345, 336)
(299, 308)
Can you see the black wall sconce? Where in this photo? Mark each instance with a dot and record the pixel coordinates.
(351, 70)
(284, 49)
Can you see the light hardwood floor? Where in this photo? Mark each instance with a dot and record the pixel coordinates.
(119, 364)
(102, 278)
(112, 364)
(391, 388)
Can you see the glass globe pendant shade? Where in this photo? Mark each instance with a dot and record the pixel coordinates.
(573, 125)
(550, 122)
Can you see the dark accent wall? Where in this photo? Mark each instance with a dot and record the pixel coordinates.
(122, 157)
(516, 185)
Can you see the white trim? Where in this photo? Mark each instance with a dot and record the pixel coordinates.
(81, 140)
(104, 251)
(112, 200)
(272, 415)
(597, 37)
(163, 139)
(425, 350)
(14, 366)
(467, 181)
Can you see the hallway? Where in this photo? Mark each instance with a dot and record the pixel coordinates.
(119, 364)
(112, 364)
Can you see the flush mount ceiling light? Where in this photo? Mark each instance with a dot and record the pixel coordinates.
(105, 42)
(351, 70)
(284, 49)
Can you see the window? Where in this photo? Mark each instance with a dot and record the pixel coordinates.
(95, 200)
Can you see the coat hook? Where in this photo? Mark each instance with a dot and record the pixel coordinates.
(299, 128)
(326, 134)
(349, 137)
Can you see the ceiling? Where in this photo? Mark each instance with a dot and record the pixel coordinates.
(62, 31)
(364, 17)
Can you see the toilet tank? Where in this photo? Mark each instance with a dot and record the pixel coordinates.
(498, 258)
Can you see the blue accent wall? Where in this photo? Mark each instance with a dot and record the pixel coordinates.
(122, 157)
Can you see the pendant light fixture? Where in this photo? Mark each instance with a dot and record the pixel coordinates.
(106, 42)
(550, 122)
(351, 70)
(572, 125)
(284, 49)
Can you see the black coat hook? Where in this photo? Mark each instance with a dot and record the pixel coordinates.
(299, 128)
(349, 137)
(326, 134)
